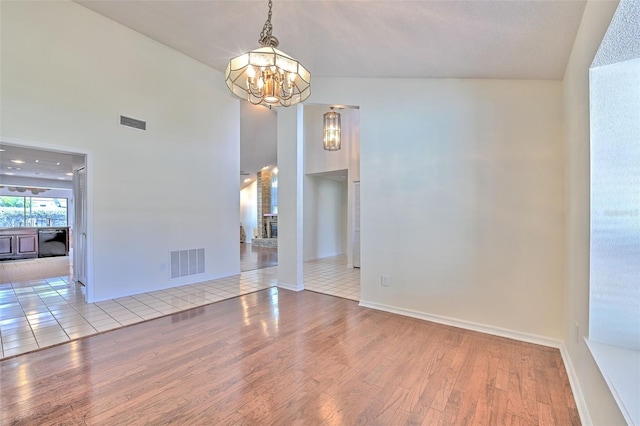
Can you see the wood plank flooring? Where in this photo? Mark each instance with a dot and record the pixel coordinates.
(286, 358)
(252, 257)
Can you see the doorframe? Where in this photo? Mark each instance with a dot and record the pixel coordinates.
(25, 143)
(356, 216)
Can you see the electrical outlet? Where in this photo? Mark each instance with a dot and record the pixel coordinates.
(384, 280)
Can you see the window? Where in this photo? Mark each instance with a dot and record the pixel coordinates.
(614, 302)
(33, 211)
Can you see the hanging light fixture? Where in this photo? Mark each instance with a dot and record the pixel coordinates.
(332, 140)
(34, 191)
(267, 76)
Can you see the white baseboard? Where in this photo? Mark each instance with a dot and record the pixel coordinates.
(585, 418)
(467, 325)
(583, 411)
(291, 287)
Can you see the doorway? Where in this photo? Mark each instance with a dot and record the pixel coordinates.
(259, 221)
(28, 168)
(258, 187)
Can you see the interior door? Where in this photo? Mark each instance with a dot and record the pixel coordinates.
(80, 226)
(356, 224)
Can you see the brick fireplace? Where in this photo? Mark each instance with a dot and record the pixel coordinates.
(266, 220)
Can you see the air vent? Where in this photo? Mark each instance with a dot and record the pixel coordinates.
(187, 262)
(132, 122)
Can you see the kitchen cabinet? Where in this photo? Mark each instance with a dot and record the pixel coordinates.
(18, 243)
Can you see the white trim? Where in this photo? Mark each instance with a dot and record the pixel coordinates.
(583, 411)
(617, 366)
(578, 396)
(291, 287)
(467, 325)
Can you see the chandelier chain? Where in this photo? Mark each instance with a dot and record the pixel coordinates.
(266, 34)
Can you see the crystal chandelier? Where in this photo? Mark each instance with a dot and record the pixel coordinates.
(331, 128)
(267, 76)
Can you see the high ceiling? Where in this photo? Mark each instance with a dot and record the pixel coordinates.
(507, 39)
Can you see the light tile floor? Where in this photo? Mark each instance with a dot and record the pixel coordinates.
(38, 312)
(331, 276)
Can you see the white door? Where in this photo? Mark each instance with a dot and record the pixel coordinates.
(80, 226)
(356, 224)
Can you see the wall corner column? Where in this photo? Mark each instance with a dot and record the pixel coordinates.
(290, 197)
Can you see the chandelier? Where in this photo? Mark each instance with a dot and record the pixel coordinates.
(331, 140)
(34, 191)
(267, 76)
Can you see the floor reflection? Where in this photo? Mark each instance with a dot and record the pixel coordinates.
(257, 257)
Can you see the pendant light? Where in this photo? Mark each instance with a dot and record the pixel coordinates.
(267, 76)
(332, 140)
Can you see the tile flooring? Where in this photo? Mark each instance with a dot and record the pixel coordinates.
(331, 276)
(41, 306)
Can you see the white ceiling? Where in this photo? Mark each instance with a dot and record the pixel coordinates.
(40, 168)
(507, 39)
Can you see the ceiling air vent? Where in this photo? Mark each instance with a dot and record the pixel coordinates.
(132, 122)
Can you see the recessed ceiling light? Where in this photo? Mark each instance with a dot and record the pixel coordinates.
(9, 173)
(1, 150)
(61, 178)
(17, 161)
(37, 161)
(57, 164)
(69, 174)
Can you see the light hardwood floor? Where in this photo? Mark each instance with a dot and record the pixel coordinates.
(280, 357)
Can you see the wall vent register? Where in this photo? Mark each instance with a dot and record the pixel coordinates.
(187, 262)
(132, 122)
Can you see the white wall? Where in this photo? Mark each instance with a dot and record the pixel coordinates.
(258, 137)
(67, 75)
(249, 209)
(462, 198)
(324, 217)
(318, 162)
(601, 405)
(316, 159)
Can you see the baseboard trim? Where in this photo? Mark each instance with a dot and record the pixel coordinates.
(581, 404)
(291, 287)
(467, 325)
(585, 418)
